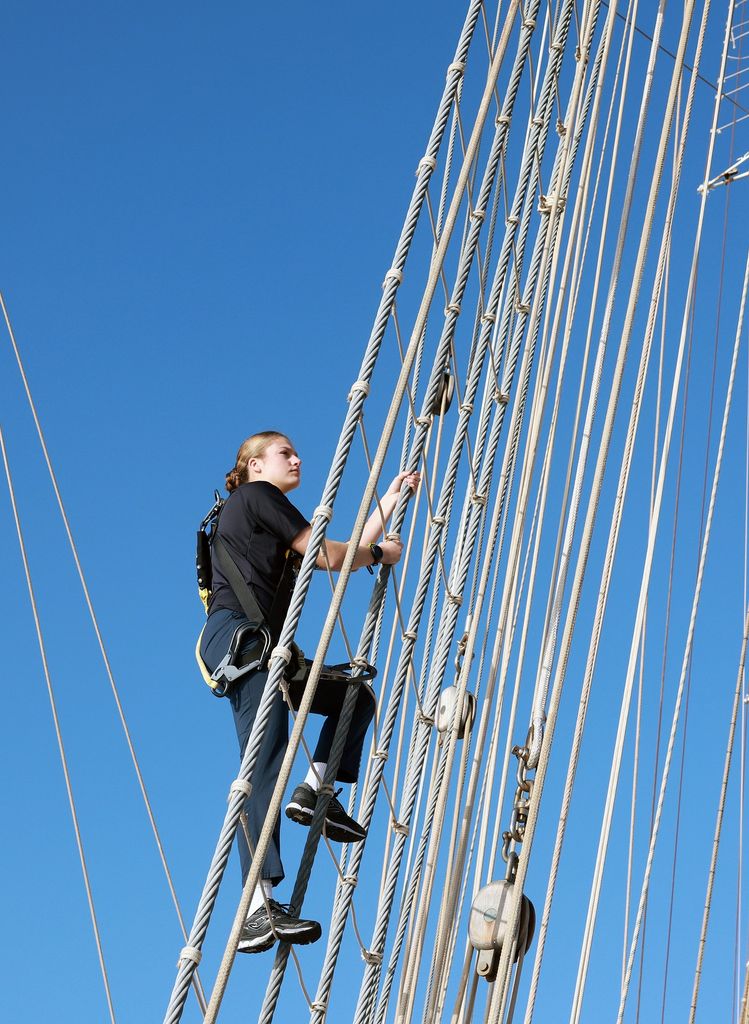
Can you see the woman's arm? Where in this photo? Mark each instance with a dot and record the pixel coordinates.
(373, 528)
(336, 549)
(336, 552)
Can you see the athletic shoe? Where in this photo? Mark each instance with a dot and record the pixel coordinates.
(260, 930)
(339, 826)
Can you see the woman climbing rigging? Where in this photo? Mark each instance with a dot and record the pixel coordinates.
(258, 526)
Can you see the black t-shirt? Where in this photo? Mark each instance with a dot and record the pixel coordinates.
(257, 524)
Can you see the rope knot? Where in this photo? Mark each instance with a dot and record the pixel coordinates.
(426, 161)
(409, 634)
(371, 958)
(457, 65)
(381, 755)
(190, 953)
(350, 880)
(400, 828)
(358, 385)
(423, 421)
(240, 786)
(454, 598)
(324, 511)
(284, 653)
(452, 307)
(393, 275)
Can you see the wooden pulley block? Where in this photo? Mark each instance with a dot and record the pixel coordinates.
(487, 925)
(448, 701)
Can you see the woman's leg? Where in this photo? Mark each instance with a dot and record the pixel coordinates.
(245, 701)
(328, 701)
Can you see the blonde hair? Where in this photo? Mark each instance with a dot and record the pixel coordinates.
(253, 448)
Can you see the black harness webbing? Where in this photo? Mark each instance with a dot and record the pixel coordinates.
(242, 592)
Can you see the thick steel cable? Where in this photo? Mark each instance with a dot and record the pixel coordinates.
(542, 491)
(570, 118)
(433, 279)
(469, 613)
(544, 476)
(544, 674)
(372, 622)
(58, 732)
(534, 804)
(99, 637)
(392, 281)
(410, 885)
(687, 646)
(439, 520)
(651, 540)
(427, 1011)
(411, 888)
(457, 583)
(719, 824)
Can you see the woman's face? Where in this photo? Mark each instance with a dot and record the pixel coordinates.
(279, 465)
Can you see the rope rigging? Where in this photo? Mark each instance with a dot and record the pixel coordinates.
(552, 237)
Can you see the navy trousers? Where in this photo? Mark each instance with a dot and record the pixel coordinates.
(245, 700)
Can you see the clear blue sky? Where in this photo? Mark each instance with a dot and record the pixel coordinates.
(198, 206)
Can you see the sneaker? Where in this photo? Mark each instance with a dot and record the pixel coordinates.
(339, 826)
(260, 930)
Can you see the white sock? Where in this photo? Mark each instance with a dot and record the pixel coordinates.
(264, 887)
(316, 774)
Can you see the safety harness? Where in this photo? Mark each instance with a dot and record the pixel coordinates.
(241, 659)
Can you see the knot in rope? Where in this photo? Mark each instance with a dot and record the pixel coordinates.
(488, 319)
(400, 828)
(438, 520)
(360, 662)
(512, 219)
(426, 161)
(371, 958)
(284, 653)
(457, 65)
(537, 121)
(478, 499)
(358, 385)
(393, 535)
(522, 307)
(479, 215)
(350, 880)
(240, 786)
(454, 598)
(190, 953)
(529, 23)
(409, 634)
(466, 407)
(323, 510)
(503, 119)
(320, 1006)
(423, 421)
(393, 275)
(381, 755)
(452, 307)
(502, 397)
(424, 718)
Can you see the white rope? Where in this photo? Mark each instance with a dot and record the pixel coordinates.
(58, 733)
(687, 647)
(99, 637)
(719, 822)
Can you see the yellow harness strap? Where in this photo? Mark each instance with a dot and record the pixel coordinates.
(202, 665)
